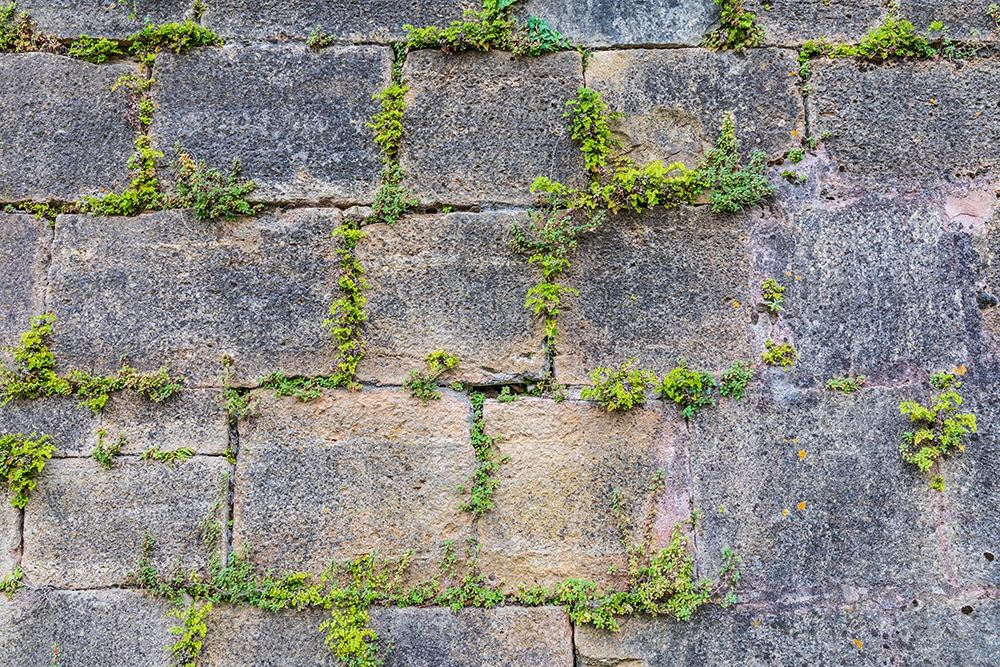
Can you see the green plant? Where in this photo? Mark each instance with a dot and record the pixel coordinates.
(776, 354)
(506, 395)
(484, 481)
(619, 389)
(41, 210)
(734, 186)
(94, 49)
(847, 384)
(347, 312)
(19, 34)
(993, 11)
(589, 126)
(318, 39)
(176, 37)
(734, 381)
(738, 28)
(793, 177)
(10, 583)
(772, 294)
(22, 460)
(304, 389)
(143, 192)
(796, 155)
(392, 200)
(424, 385)
(690, 390)
(186, 650)
(179, 455)
(939, 429)
(212, 194)
(387, 123)
(492, 27)
(105, 453)
(33, 375)
(237, 402)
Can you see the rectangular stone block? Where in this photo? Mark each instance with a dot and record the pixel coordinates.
(349, 474)
(66, 133)
(294, 117)
(660, 286)
(105, 18)
(449, 282)
(248, 637)
(25, 244)
(374, 21)
(673, 101)
(480, 127)
(258, 289)
(10, 536)
(553, 518)
(808, 488)
(627, 22)
(73, 428)
(895, 138)
(109, 628)
(84, 526)
(193, 418)
(959, 631)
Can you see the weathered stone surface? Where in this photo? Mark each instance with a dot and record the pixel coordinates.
(84, 526)
(378, 20)
(65, 133)
(110, 628)
(247, 637)
(294, 118)
(674, 100)
(627, 22)
(10, 536)
(665, 285)
(193, 418)
(480, 127)
(256, 288)
(72, 427)
(809, 489)
(927, 122)
(938, 631)
(106, 18)
(352, 473)
(24, 255)
(470, 288)
(553, 518)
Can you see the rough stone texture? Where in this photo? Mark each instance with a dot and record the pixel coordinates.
(246, 637)
(554, 516)
(937, 631)
(865, 522)
(378, 20)
(73, 428)
(471, 302)
(10, 536)
(918, 122)
(84, 525)
(65, 134)
(294, 118)
(674, 100)
(24, 255)
(194, 418)
(627, 22)
(110, 628)
(255, 288)
(658, 287)
(480, 127)
(102, 18)
(352, 473)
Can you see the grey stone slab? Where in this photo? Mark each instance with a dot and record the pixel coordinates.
(889, 124)
(193, 418)
(84, 526)
(964, 20)
(480, 127)
(673, 100)
(25, 244)
(553, 518)
(66, 133)
(72, 427)
(659, 286)
(960, 631)
(449, 282)
(374, 21)
(627, 23)
(809, 489)
(111, 628)
(165, 289)
(349, 474)
(10, 536)
(295, 118)
(102, 18)
(247, 637)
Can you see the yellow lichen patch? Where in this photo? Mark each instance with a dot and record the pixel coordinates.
(960, 370)
(803, 454)
(785, 512)
(858, 644)
(801, 506)
(736, 304)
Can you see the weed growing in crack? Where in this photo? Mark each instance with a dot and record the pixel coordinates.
(11, 583)
(492, 27)
(423, 385)
(212, 194)
(939, 428)
(105, 452)
(846, 384)
(619, 389)
(689, 389)
(779, 354)
(488, 461)
(22, 460)
(772, 294)
(738, 29)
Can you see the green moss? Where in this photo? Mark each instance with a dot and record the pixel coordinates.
(179, 455)
(41, 210)
(485, 480)
(779, 354)
(104, 453)
(796, 155)
(492, 27)
(772, 294)
(347, 312)
(738, 28)
(10, 583)
(846, 384)
(237, 402)
(939, 429)
(304, 389)
(186, 650)
(423, 385)
(143, 192)
(94, 49)
(212, 194)
(175, 37)
(387, 123)
(619, 389)
(734, 381)
(392, 200)
(589, 126)
(318, 39)
(18, 33)
(689, 389)
(22, 460)
(734, 186)
(793, 177)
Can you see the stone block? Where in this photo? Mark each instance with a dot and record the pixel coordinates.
(193, 418)
(25, 244)
(940, 631)
(480, 127)
(116, 19)
(10, 536)
(894, 139)
(84, 526)
(295, 118)
(553, 518)
(248, 637)
(72, 427)
(258, 289)
(449, 282)
(378, 21)
(660, 286)
(673, 100)
(627, 23)
(808, 488)
(349, 474)
(66, 133)
(107, 628)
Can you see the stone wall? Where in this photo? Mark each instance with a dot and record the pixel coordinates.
(890, 252)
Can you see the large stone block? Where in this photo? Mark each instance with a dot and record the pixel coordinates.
(111, 628)
(373, 21)
(897, 134)
(193, 418)
(248, 637)
(294, 118)
(450, 283)
(25, 244)
(960, 631)
(105, 18)
(257, 289)
(72, 427)
(664, 285)
(809, 489)
(84, 526)
(673, 101)
(553, 518)
(10, 536)
(627, 22)
(349, 474)
(480, 127)
(65, 134)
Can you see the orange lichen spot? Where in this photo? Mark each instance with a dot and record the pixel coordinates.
(960, 370)
(801, 506)
(858, 644)
(794, 133)
(802, 455)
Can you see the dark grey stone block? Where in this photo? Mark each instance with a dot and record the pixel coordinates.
(102, 18)
(72, 427)
(627, 22)
(960, 631)
(193, 418)
(10, 536)
(25, 244)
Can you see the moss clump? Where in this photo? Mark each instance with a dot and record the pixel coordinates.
(492, 27)
(392, 200)
(10, 583)
(734, 186)
(18, 33)
(733, 383)
(179, 455)
(689, 389)
(186, 650)
(423, 385)
(104, 452)
(779, 354)
(347, 312)
(485, 480)
(939, 428)
(175, 37)
(304, 389)
(212, 194)
(318, 39)
(846, 384)
(738, 28)
(22, 460)
(772, 294)
(619, 389)
(94, 49)
(143, 192)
